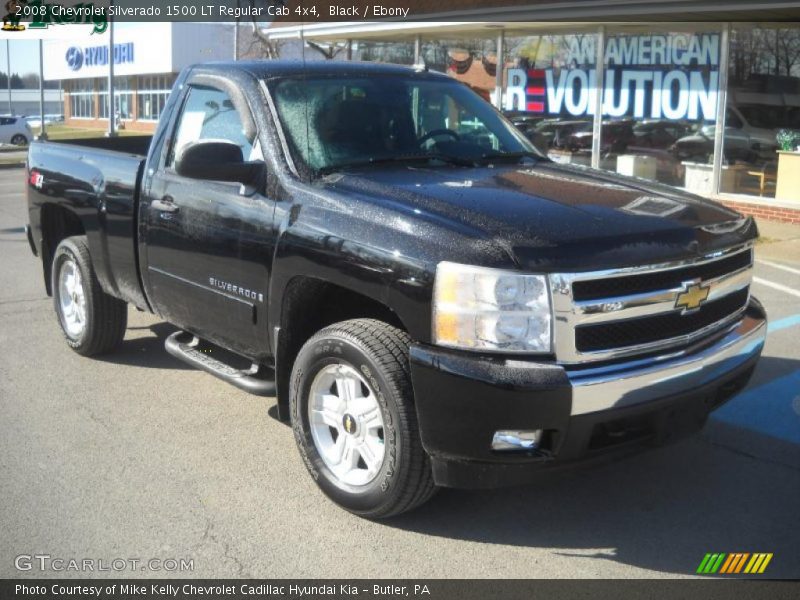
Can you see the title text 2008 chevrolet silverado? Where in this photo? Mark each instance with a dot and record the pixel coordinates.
(432, 301)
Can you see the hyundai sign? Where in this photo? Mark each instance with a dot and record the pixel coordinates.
(92, 56)
(139, 49)
(74, 58)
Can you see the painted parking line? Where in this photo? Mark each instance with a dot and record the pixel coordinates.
(777, 286)
(775, 265)
(772, 409)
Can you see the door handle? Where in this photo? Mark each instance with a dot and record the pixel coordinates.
(166, 204)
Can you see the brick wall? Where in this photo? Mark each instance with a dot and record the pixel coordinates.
(129, 125)
(764, 211)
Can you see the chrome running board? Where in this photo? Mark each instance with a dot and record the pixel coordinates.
(258, 379)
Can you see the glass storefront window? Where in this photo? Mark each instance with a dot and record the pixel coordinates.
(123, 97)
(470, 60)
(549, 92)
(659, 99)
(152, 94)
(661, 96)
(81, 99)
(400, 53)
(660, 105)
(762, 126)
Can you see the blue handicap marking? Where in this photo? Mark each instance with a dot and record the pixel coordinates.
(783, 323)
(772, 408)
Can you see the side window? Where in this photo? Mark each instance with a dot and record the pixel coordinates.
(209, 114)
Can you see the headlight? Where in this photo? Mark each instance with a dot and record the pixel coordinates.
(475, 308)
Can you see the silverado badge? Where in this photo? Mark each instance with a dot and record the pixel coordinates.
(692, 296)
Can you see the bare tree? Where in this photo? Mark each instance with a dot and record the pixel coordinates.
(524, 50)
(260, 45)
(747, 51)
(787, 50)
(764, 51)
(328, 51)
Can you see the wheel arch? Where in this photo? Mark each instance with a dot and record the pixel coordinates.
(57, 224)
(308, 305)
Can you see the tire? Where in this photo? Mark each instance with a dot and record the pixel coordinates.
(92, 321)
(19, 140)
(370, 358)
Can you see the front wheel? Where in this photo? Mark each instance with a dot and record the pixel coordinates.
(92, 321)
(354, 420)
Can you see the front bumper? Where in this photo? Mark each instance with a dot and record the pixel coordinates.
(585, 413)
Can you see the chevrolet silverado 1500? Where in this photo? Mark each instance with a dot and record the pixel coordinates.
(432, 301)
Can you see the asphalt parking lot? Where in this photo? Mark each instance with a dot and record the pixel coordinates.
(138, 456)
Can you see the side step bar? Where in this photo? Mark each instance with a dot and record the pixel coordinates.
(258, 379)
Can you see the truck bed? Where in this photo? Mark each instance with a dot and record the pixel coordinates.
(98, 180)
(132, 144)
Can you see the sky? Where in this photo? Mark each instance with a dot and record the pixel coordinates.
(24, 56)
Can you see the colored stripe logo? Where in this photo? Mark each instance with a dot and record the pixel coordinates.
(535, 92)
(733, 563)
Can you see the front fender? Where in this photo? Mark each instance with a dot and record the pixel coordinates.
(385, 251)
(362, 268)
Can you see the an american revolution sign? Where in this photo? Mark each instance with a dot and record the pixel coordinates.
(659, 76)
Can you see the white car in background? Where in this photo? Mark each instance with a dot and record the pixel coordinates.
(15, 130)
(36, 120)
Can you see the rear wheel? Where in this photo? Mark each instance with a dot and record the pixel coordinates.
(354, 420)
(19, 140)
(92, 321)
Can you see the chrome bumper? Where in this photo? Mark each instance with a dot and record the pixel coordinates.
(641, 381)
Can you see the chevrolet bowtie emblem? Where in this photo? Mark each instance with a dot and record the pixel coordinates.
(692, 297)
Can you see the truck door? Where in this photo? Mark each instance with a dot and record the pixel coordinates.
(208, 243)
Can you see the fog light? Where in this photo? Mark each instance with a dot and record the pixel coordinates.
(512, 439)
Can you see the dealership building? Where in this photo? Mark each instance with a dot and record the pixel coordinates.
(697, 94)
(147, 59)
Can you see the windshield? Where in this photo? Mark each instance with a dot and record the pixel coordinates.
(334, 122)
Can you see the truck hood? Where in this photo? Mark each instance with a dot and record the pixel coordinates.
(555, 216)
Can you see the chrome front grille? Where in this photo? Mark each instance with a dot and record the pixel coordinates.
(604, 315)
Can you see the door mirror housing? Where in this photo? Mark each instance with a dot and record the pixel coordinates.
(217, 160)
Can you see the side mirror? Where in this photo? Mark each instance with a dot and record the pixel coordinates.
(217, 160)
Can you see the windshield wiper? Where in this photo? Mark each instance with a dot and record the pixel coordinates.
(512, 156)
(445, 158)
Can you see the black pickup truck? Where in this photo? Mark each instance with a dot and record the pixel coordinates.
(432, 302)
